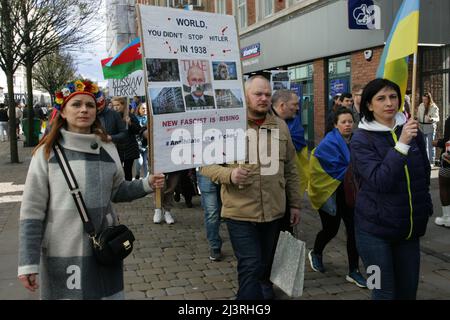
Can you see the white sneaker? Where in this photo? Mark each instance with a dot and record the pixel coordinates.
(442, 221)
(445, 219)
(157, 218)
(168, 217)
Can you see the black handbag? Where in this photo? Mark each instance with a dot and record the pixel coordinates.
(113, 244)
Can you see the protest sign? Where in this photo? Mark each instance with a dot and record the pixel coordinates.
(194, 86)
(280, 79)
(130, 86)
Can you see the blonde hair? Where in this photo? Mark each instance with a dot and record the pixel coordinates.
(430, 99)
(141, 106)
(123, 102)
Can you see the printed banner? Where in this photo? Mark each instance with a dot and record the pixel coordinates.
(193, 70)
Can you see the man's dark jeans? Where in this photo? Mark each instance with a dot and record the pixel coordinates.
(399, 263)
(253, 245)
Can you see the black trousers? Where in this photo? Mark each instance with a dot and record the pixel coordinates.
(330, 227)
(127, 169)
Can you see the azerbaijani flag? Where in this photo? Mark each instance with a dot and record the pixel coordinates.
(129, 59)
(327, 166)
(401, 43)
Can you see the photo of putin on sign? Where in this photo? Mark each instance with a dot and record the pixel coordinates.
(197, 85)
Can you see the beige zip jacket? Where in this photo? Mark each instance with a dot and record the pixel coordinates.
(263, 197)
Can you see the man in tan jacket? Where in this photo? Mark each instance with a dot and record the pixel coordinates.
(254, 195)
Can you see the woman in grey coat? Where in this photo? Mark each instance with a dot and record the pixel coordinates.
(53, 243)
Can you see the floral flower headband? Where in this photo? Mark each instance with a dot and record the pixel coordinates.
(81, 86)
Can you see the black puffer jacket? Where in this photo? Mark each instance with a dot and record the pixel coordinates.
(130, 149)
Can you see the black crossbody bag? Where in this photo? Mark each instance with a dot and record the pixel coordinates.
(113, 244)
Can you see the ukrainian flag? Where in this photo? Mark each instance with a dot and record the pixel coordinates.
(302, 161)
(327, 166)
(401, 43)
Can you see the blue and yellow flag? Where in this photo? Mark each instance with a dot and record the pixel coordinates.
(401, 43)
(327, 166)
(298, 139)
(302, 161)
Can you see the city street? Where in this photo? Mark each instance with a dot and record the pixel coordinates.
(171, 261)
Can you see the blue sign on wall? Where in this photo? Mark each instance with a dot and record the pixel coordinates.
(338, 86)
(251, 51)
(363, 14)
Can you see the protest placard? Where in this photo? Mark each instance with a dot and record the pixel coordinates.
(194, 88)
(280, 79)
(130, 86)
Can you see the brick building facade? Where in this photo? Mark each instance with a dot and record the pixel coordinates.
(335, 55)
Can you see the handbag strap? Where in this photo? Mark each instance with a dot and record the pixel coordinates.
(74, 190)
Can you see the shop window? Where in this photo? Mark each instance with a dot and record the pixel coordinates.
(302, 83)
(339, 72)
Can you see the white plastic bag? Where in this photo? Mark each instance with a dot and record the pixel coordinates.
(288, 268)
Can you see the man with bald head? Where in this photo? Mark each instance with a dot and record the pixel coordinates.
(197, 99)
(253, 199)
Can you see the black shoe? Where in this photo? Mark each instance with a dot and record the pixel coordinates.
(267, 290)
(215, 255)
(189, 204)
(176, 197)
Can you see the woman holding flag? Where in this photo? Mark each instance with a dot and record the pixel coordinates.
(329, 174)
(393, 203)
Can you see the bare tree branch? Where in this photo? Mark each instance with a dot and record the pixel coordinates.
(53, 71)
(48, 26)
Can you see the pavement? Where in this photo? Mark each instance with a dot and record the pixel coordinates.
(170, 262)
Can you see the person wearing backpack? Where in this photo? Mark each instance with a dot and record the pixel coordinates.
(393, 203)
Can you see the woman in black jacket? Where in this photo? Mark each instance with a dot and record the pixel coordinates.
(129, 150)
(444, 177)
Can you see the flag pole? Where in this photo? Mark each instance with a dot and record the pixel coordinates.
(414, 85)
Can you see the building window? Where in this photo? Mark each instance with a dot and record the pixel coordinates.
(164, 3)
(178, 3)
(265, 9)
(221, 6)
(293, 2)
(240, 13)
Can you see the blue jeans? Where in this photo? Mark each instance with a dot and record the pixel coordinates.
(431, 151)
(399, 263)
(253, 245)
(211, 204)
(143, 157)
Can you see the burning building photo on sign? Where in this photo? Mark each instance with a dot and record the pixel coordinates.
(163, 70)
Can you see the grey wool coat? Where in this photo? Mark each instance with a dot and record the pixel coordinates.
(52, 241)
